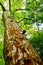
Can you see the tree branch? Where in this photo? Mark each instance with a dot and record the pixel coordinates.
(10, 6)
(2, 7)
(3, 18)
(19, 9)
(25, 19)
(25, 9)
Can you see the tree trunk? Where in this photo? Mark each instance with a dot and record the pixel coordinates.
(17, 49)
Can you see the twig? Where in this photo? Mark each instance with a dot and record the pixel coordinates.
(26, 9)
(19, 9)
(10, 6)
(25, 19)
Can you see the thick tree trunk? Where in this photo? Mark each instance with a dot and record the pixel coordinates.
(17, 49)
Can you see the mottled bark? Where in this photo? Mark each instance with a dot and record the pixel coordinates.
(17, 49)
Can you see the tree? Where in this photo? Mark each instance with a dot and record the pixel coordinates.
(27, 13)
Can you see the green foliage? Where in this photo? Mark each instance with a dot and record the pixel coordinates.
(37, 41)
(2, 1)
(1, 61)
(1, 41)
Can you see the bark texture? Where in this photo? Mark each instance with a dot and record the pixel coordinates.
(17, 49)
